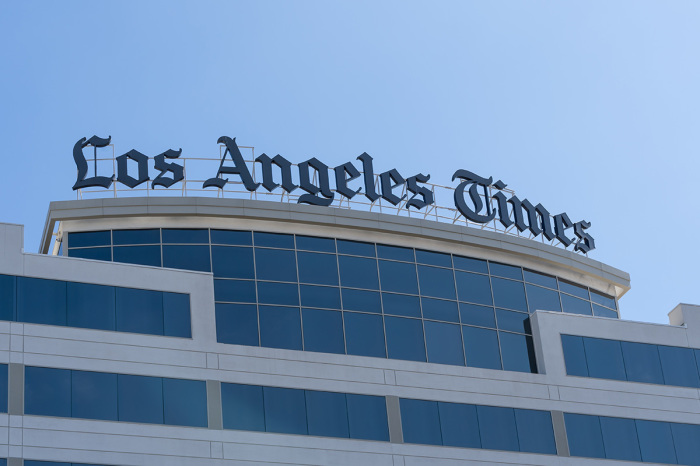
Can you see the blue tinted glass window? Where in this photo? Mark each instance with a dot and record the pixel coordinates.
(320, 296)
(604, 359)
(497, 428)
(237, 324)
(404, 338)
(47, 392)
(327, 414)
(542, 299)
(136, 236)
(604, 300)
(242, 407)
(444, 342)
(439, 309)
(509, 294)
(311, 243)
(470, 265)
(601, 311)
(173, 235)
(185, 402)
(433, 258)
(678, 366)
(685, 439)
(364, 334)
(7, 297)
(436, 282)
(285, 410)
(94, 395)
(473, 288)
(176, 315)
(574, 355)
(41, 301)
(398, 276)
(656, 442)
(517, 352)
(576, 290)
(575, 305)
(98, 254)
(234, 291)
(642, 362)
(275, 264)
(540, 279)
(506, 271)
(232, 262)
(273, 240)
(321, 269)
(3, 388)
(584, 435)
(278, 293)
(323, 331)
(395, 253)
(140, 255)
(361, 300)
(140, 398)
(420, 422)
(513, 321)
(356, 248)
(187, 257)
(620, 439)
(481, 316)
(237, 238)
(481, 347)
(358, 272)
(401, 305)
(89, 238)
(91, 306)
(139, 311)
(45, 463)
(280, 327)
(367, 417)
(459, 425)
(535, 432)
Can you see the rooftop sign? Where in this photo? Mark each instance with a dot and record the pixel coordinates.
(477, 200)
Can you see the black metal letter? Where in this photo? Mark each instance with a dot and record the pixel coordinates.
(123, 169)
(285, 167)
(562, 222)
(586, 242)
(473, 181)
(177, 170)
(425, 193)
(239, 167)
(81, 164)
(389, 180)
(342, 178)
(368, 171)
(323, 187)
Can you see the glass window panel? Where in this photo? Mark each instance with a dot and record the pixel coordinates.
(506, 271)
(481, 316)
(89, 238)
(91, 306)
(185, 402)
(420, 421)
(509, 294)
(41, 301)
(601, 311)
(542, 298)
(140, 398)
(685, 439)
(436, 282)
(242, 407)
(361, 300)
(584, 435)
(459, 425)
(234, 291)
(358, 272)
(323, 331)
(470, 265)
(280, 327)
(312, 243)
(395, 253)
(321, 269)
(574, 355)
(327, 414)
(8, 295)
(576, 290)
(151, 236)
(517, 352)
(237, 324)
(139, 311)
(402, 305)
(273, 240)
(47, 392)
(4, 388)
(444, 342)
(604, 359)
(235, 238)
(513, 321)
(656, 442)
(98, 254)
(603, 300)
(278, 293)
(678, 366)
(140, 255)
(183, 235)
(540, 279)
(94, 395)
(404, 338)
(481, 347)
(232, 262)
(356, 248)
(320, 296)
(187, 257)
(497, 428)
(642, 363)
(473, 288)
(367, 417)
(535, 432)
(176, 315)
(575, 306)
(285, 410)
(439, 309)
(398, 276)
(433, 258)
(364, 334)
(620, 439)
(45, 463)
(277, 265)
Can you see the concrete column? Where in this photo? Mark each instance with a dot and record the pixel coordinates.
(560, 433)
(214, 409)
(393, 412)
(15, 403)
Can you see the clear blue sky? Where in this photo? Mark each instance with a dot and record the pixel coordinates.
(592, 108)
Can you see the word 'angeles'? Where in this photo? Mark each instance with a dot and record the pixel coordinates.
(476, 206)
